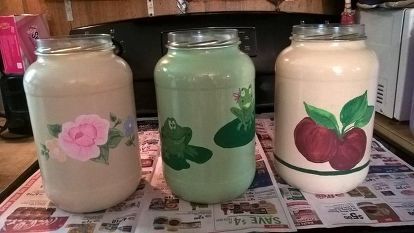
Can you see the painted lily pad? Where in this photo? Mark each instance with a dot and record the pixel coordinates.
(231, 135)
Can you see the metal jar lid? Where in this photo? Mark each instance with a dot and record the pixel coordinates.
(203, 38)
(336, 32)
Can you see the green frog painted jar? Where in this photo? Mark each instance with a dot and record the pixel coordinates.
(324, 108)
(206, 110)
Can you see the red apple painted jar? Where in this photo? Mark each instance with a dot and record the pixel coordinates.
(324, 108)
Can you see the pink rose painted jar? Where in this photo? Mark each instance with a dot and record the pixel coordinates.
(82, 111)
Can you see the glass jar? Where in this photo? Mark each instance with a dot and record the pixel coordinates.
(324, 106)
(205, 97)
(82, 110)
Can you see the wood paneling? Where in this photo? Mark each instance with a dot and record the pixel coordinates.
(88, 12)
(312, 6)
(55, 14)
(11, 7)
(54, 11)
(163, 7)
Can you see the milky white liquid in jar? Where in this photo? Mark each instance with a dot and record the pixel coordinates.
(324, 108)
(82, 110)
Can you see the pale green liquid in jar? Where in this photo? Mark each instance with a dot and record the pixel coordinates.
(196, 90)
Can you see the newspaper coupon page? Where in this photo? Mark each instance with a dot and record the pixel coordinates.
(302, 212)
(152, 207)
(259, 209)
(385, 198)
(29, 210)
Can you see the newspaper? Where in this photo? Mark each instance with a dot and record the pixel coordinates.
(386, 198)
(29, 210)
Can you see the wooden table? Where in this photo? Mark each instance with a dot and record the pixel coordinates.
(17, 160)
(396, 133)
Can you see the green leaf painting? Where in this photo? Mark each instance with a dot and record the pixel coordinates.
(103, 155)
(113, 117)
(355, 113)
(320, 138)
(365, 118)
(322, 117)
(114, 138)
(54, 130)
(130, 140)
(354, 109)
(44, 151)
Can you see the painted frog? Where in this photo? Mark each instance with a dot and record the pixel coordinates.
(245, 112)
(176, 149)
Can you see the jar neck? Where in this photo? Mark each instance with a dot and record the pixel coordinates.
(329, 44)
(338, 32)
(89, 55)
(74, 44)
(213, 50)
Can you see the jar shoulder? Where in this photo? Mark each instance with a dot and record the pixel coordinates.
(62, 76)
(301, 61)
(204, 71)
(338, 54)
(214, 64)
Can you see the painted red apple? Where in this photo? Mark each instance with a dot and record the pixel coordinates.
(351, 150)
(315, 142)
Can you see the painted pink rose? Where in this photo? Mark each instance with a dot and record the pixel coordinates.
(55, 151)
(81, 139)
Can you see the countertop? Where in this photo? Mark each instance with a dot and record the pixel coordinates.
(18, 157)
(396, 133)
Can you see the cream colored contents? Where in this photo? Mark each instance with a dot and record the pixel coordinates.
(59, 89)
(325, 75)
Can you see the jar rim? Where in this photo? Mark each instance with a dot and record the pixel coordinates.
(331, 32)
(203, 38)
(73, 44)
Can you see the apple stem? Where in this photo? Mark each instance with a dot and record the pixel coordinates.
(345, 131)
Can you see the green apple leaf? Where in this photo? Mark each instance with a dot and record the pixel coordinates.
(354, 110)
(365, 118)
(114, 137)
(322, 117)
(54, 130)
